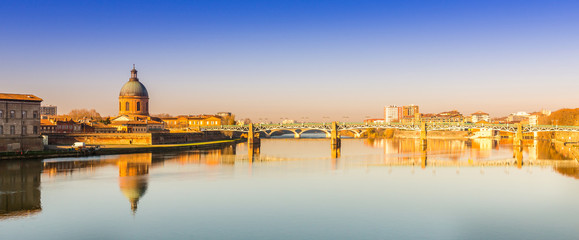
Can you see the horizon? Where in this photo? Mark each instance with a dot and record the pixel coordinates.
(295, 60)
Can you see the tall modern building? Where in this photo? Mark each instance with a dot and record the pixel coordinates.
(392, 114)
(134, 98)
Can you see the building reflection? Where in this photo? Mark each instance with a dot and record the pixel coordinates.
(133, 169)
(19, 188)
(409, 152)
(133, 176)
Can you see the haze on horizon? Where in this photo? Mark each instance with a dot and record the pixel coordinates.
(295, 59)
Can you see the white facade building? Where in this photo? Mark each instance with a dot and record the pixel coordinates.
(480, 116)
(392, 113)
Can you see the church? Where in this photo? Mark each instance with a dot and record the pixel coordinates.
(134, 109)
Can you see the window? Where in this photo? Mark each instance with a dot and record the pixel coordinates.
(35, 114)
(1, 130)
(1, 114)
(24, 130)
(12, 114)
(12, 130)
(24, 114)
(120, 108)
(127, 106)
(138, 106)
(146, 106)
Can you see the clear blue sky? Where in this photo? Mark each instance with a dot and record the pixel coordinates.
(295, 59)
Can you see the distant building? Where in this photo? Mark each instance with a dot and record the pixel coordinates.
(224, 114)
(410, 110)
(545, 112)
(48, 126)
(48, 111)
(518, 117)
(480, 116)
(192, 122)
(20, 122)
(392, 114)
(534, 119)
(443, 117)
(374, 120)
(137, 124)
(101, 128)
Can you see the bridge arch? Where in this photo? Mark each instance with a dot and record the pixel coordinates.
(316, 129)
(268, 133)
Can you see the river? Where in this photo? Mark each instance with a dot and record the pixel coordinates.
(295, 189)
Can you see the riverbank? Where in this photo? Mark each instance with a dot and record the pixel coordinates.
(58, 151)
(395, 133)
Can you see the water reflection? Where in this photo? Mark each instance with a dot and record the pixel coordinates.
(133, 169)
(20, 181)
(133, 176)
(19, 188)
(473, 152)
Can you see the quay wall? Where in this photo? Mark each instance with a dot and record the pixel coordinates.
(134, 138)
(21, 143)
(565, 136)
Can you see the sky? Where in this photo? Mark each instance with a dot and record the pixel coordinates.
(302, 60)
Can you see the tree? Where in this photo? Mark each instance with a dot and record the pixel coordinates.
(162, 115)
(563, 117)
(79, 114)
(229, 120)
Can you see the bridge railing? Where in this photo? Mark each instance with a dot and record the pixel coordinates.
(496, 126)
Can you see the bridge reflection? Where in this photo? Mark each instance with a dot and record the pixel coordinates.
(472, 152)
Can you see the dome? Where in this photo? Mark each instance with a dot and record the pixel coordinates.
(134, 88)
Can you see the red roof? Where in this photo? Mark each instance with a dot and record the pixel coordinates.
(19, 97)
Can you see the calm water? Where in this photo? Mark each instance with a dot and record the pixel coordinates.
(293, 189)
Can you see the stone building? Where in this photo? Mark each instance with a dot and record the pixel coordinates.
(134, 109)
(20, 123)
(134, 98)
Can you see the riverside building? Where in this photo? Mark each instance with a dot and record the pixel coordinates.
(134, 109)
(20, 123)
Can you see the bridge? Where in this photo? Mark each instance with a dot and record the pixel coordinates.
(333, 129)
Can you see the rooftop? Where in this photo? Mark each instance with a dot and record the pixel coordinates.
(19, 97)
(480, 113)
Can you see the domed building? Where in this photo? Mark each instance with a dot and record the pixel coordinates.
(134, 97)
(134, 109)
